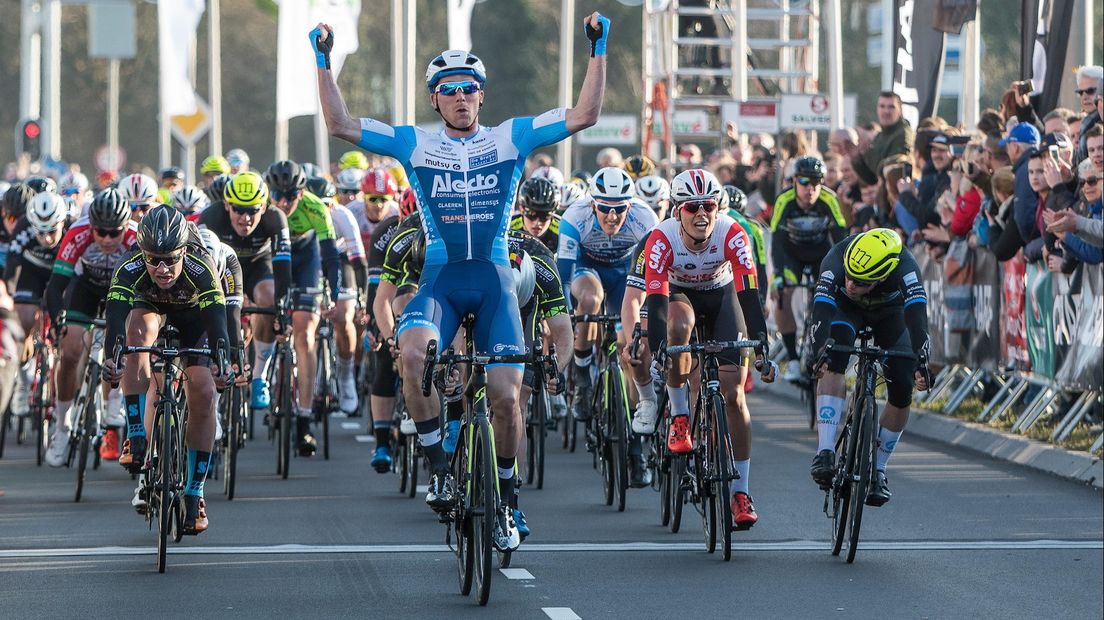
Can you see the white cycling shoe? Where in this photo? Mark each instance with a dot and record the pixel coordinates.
(58, 449)
(644, 420)
(347, 399)
(792, 372)
(407, 426)
(506, 535)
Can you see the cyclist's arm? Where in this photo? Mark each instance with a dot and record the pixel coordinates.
(281, 252)
(338, 121)
(658, 257)
(120, 299)
(14, 263)
(232, 286)
(824, 297)
(567, 255)
(211, 303)
(331, 262)
(916, 302)
(69, 253)
(381, 309)
(589, 104)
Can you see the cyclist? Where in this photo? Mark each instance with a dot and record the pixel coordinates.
(465, 178)
(538, 200)
(189, 200)
(238, 161)
(378, 201)
(638, 166)
(212, 168)
(734, 202)
(172, 179)
(571, 193)
(149, 289)
(31, 254)
(597, 238)
(260, 238)
(15, 207)
(353, 160)
(806, 222)
(140, 192)
(74, 185)
(348, 186)
(353, 296)
(89, 253)
(313, 249)
(549, 173)
(655, 191)
(868, 280)
(700, 272)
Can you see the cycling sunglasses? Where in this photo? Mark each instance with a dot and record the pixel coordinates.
(140, 207)
(155, 260)
(468, 87)
(806, 181)
(377, 199)
(240, 210)
(863, 285)
(603, 207)
(536, 215)
(108, 232)
(348, 192)
(708, 206)
(278, 195)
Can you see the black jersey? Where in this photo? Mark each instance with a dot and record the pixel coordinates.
(270, 239)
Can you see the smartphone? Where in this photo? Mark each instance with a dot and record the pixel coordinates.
(1026, 87)
(1053, 148)
(907, 171)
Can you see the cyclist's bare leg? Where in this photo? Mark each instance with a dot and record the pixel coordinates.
(68, 370)
(264, 336)
(200, 390)
(739, 416)
(680, 324)
(344, 333)
(784, 318)
(29, 315)
(588, 293)
(304, 325)
(895, 418)
(413, 343)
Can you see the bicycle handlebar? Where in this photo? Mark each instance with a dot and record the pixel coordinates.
(596, 318)
(712, 346)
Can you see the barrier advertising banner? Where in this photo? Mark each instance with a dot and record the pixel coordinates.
(1013, 326)
(1040, 320)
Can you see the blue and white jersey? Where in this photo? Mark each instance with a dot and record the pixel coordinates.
(465, 186)
(583, 241)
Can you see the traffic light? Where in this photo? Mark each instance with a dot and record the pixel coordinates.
(29, 138)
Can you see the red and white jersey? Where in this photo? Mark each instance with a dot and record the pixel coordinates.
(79, 255)
(366, 225)
(726, 257)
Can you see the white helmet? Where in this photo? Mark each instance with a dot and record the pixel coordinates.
(525, 277)
(216, 247)
(612, 184)
(652, 189)
(238, 158)
(695, 184)
(138, 189)
(46, 211)
(454, 62)
(551, 173)
(349, 179)
(74, 180)
(189, 199)
(571, 193)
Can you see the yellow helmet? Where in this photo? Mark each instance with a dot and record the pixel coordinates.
(639, 166)
(215, 164)
(872, 255)
(353, 159)
(246, 189)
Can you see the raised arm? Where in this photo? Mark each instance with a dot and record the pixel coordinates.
(338, 121)
(589, 105)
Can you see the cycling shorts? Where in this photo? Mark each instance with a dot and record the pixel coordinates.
(306, 272)
(84, 302)
(187, 321)
(791, 269)
(450, 292)
(890, 333)
(718, 317)
(348, 291)
(384, 376)
(254, 272)
(612, 278)
(31, 284)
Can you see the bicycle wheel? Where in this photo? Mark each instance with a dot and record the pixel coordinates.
(325, 382)
(411, 464)
(663, 475)
(400, 461)
(541, 413)
(87, 428)
(484, 510)
(461, 518)
(164, 484)
(864, 463)
(235, 439)
(288, 414)
(722, 496)
(4, 421)
(619, 408)
(841, 486)
(705, 473)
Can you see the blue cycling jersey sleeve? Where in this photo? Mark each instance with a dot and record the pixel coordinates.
(383, 139)
(533, 132)
(567, 254)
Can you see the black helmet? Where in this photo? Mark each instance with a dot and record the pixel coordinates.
(16, 199)
(163, 231)
(109, 210)
(285, 176)
(809, 166)
(321, 187)
(172, 172)
(41, 184)
(582, 175)
(737, 201)
(417, 249)
(539, 194)
(215, 188)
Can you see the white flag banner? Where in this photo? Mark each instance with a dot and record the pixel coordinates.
(176, 26)
(459, 24)
(296, 80)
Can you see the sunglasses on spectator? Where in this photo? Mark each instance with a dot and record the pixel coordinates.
(1085, 91)
(708, 206)
(108, 232)
(467, 87)
(278, 195)
(618, 208)
(155, 260)
(240, 210)
(536, 216)
(806, 181)
(1090, 181)
(377, 199)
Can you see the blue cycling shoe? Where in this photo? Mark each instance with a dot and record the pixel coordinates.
(522, 526)
(260, 399)
(381, 459)
(452, 436)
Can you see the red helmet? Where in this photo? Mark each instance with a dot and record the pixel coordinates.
(379, 182)
(408, 203)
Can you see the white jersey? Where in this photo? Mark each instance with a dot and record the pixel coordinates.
(348, 232)
(366, 225)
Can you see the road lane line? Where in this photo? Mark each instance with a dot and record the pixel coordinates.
(515, 573)
(421, 488)
(365, 439)
(350, 426)
(791, 546)
(560, 613)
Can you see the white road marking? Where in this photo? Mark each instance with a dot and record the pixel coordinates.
(350, 426)
(560, 613)
(421, 488)
(365, 439)
(291, 549)
(516, 573)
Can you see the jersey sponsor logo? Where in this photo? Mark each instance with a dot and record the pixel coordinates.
(512, 348)
(486, 159)
(828, 276)
(474, 217)
(447, 184)
(656, 253)
(437, 163)
(689, 266)
(743, 252)
(910, 278)
(655, 284)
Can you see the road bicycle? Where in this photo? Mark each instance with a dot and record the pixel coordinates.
(85, 434)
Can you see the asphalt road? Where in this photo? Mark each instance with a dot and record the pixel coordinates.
(964, 536)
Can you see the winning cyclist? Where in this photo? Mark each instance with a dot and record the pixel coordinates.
(465, 178)
(868, 280)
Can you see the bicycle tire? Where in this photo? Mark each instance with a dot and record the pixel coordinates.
(399, 462)
(619, 410)
(88, 424)
(864, 463)
(325, 375)
(483, 497)
(412, 464)
(163, 480)
(705, 474)
(461, 517)
(236, 439)
(541, 444)
(678, 488)
(288, 413)
(839, 492)
(663, 471)
(722, 496)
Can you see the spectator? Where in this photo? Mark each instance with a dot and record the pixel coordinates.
(1034, 242)
(867, 132)
(832, 170)
(935, 180)
(990, 121)
(609, 156)
(996, 156)
(1090, 86)
(1074, 127)
(1075, 249)
(1094, 141)
(1074, 227)
(849, 188)
(896, 136)
(843, 142)
(1004, 235)
(1022, 144)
